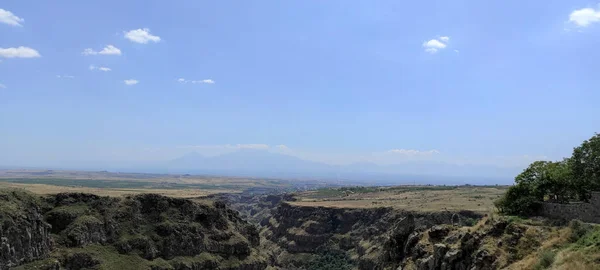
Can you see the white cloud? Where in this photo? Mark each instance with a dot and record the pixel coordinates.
(108, 50)
(585, 16)
(20, 52)
(142, 36)
(456, 51)
(2, 86)
(282, 147)
(131, 82)
(445, 39)
(411, 152)
(207, 81)
(65, 76)
(9, 18)
(105, 69)
(434, 45)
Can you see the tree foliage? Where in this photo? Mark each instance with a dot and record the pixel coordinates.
(585, 164)
(562, 181)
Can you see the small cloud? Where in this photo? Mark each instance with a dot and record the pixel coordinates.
(434, 45)
(105, 69)
(584, 17)
(65, 76)
(9, 18)
(445, 39)
(20, 52)
(2, 86)
(456, 51)
(207, 81)
(89, 51)
(141, 36)
(108, 50)
(131, 82)
(410, 152)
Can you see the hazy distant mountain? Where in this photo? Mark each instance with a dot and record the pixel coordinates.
(261, 163)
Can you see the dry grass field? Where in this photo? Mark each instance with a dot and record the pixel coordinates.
(119, 184)
(44, 189)
(415, 198)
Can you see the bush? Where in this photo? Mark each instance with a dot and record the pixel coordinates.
(330, 259)
(470, 222)
(578, 230)
(546, 259)
(519, 201)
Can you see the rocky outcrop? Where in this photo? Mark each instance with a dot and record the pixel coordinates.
(374, 238)
(24, 235)
(150, 226)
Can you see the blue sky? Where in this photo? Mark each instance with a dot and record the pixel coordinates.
(502, 82)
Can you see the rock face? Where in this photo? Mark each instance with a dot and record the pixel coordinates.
(373, 238)
(302, 237)
(149, 226)
(24, 235)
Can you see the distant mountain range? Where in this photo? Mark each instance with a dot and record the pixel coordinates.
(262, 163)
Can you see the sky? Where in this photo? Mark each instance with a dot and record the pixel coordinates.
(479, 82)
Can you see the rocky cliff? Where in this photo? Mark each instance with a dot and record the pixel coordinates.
(300, 237)
(24, 235)
(158, 232)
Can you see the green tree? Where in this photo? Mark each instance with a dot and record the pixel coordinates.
(585, 164)
(547, 180)
(519, 200)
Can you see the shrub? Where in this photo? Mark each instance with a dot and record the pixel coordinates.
(578, 230)
(519, 201)
(546, 259)
(330, 259)
(470, 222)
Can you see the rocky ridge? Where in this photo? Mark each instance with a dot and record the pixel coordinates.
(78, 231)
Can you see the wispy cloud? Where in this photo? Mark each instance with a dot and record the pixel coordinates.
(108, 50)
(434, 45)
(65, 76)
(228, 146)
(206, 81)
(2, 86)
(141, 36)
(9, 18)
(19, 52)
(131, 82)
(282, 147)
(411, 152)
(105, 69)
